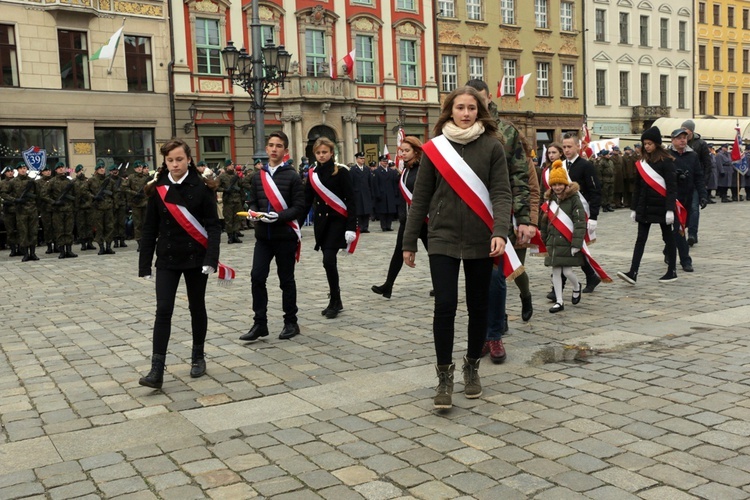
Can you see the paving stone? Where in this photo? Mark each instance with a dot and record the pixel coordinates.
(378, 490)
(673, 476)
(575, 481)
(232, 492)
(122, 486)
(22, 490)
(437, 490)
(666, 493)
(624, 479)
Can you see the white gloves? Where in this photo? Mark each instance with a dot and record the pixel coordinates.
(632, 215)
(350, 236)
(270, 217)
(574, 251)
(208, 270)
(669, 219)
(592, 225)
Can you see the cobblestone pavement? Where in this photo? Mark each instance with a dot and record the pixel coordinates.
(637, 392)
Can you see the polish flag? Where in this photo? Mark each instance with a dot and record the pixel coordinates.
(334, 73)
(349, 61)
(500, 85)
(585, 141)
(736, 152)
(385, 152)
(520, 84)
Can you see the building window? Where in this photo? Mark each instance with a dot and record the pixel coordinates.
(746, 19)
(746, 60)
(717, 103)
(446, 8)
(208, 46)
(681, 92)
(745, 104)
(405, 5)
(568, 70)
(663, 86)
(267, 35)
(509, 72)
(624, 88)
(566, 16)
(730, 22)
(124, 145)
(644, 31)
(717, 58)
(476, 68)
(364, 59)
(8, 62)
(702, 102)
(74, 59)
(624, 27)
(730, 104)
(601, 87)
(702, 57)
(138, 64)
(730, 59)
(407, 51)
(315, 52)
(542, 79)
(702, 12)
(449, 72)
(214, 145)
(13, 140)
(644, 89)
(474, 10)
(363, 2)
(682, 35)
(508, 11)
(717, 14)
(540, 13)
(664, 33)
(600, 24)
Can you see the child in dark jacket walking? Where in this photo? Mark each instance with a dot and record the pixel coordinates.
(563, 228)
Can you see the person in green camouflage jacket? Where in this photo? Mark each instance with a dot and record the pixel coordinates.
(101, 215)
(9, 213)
(607, 175)
(44, 206)
(84, 227)
(24, 192)
(61, 194)
(232, 196)
(119, 206)
(137, 199)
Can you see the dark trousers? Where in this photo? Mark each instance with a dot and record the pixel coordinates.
(386, 220)
(682, 247)
(363, 221)
(330, 264)
(397, 259)
(640, 245)
(284, 253)
(695, 214)
(444, 271)
(166, 289)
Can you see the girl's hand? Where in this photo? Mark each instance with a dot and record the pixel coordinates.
(409, 258)
(497, 247)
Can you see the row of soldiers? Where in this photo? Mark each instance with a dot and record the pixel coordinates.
(617, 172)
(94, 208)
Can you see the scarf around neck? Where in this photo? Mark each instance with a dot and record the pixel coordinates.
(454, 133)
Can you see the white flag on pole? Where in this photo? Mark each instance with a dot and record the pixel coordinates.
(108, 51)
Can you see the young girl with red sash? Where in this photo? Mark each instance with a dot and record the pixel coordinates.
(411, 152)
(182, 227)
(330, 192)
(654, 201)
(464, 186)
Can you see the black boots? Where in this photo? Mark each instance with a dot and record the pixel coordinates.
(101, 249)
(14, 251)
(155, 377)
(62, 252)
(49, 249)
(385, 289)
(526, 308)
(117, 243)
(198, 364)
(69, 252)
(122, 243)
(233, 238)
(109, 250)
(334, 306)
(90, 245)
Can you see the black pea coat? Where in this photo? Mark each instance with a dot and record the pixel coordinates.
(328, 225)
(362, 189)
(649, 205)
(385, 202)
(583, 172)
(162, 234)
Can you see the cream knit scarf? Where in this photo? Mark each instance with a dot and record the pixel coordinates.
(460, 135)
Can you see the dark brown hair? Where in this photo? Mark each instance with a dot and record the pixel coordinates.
(659, 154)
(483, 114)
(172, 144)
(416, 145)
(557, 146)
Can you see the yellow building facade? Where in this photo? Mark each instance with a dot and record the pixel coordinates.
(722, 59)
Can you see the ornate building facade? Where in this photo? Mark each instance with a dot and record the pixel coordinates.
(639, 64)
(492, 40)
(53, 96)
(393, 79)
(722, 59)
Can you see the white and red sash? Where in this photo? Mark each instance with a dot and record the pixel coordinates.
(564, 224)
(590, 234)
(332, 200)
(536, 245)
(658, 184)
(406, 194)
(278, 203)
(470, 188)
(195, 229)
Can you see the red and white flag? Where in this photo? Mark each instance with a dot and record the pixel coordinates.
(500, 86)
(399, 140)
(334, 73)
(385, 152)
(736, 148)
(585, 141)
(349, 61)
(521, 82)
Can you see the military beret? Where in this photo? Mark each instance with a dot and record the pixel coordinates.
(111, 167)
(637, 145)
(202, 163)
(228, 162)
(21, 164)
(257, 162)
(79, 167)
(6, 169)
(144, 164)
(59, 164)
(45, 167)
(361, 154)
(615, 148)
(100, 163)
(137, 163)
(628, 148)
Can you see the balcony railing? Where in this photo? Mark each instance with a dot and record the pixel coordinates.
(650, 112)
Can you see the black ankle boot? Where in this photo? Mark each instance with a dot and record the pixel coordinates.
(49, 249)
(90, 245)
(25, 252)
(101, 249)
(335, 306)
(155, 378)
(69, 252)
(32, 253)
(385, 290)
(122, 243)
(526, 308)
(14, 251)
(62, 252)
(117, 243)
(198, 367)
(109, 250)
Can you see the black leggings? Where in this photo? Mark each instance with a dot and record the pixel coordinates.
(167, 281)
(397, 259)
(477, 273)
(332, 271)
(640, 245)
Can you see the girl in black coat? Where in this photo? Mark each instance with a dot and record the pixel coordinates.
(648, 206)
(333, 230)
(176, 189)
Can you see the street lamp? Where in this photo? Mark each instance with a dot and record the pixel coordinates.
(258, 74)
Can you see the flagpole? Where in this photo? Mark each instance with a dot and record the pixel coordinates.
(112, 61)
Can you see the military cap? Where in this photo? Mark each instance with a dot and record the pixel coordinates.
(144, 164)
(382, 158)
(257, 162)
(678, 132)
(45, 167)
(79, 167)
(372, 163)
(21, 164)
(710, 144)
(59, 164)
(304, 159)
(637, 145)
(111, 167)
(100, 163)
(628, 148)
(6, 169)
(202, 163)
(615, 148)
(228, 162)
(360, 154)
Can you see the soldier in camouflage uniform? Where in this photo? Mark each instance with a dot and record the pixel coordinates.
(137, 198)
(84, 228)
(518, 171)
(119, 207)
(9, 212)
(628, 174)
(45, 209)
(607, 175)
(617, 164)
(24, 191)
(232, 198)
(60, 190)
(100, 188)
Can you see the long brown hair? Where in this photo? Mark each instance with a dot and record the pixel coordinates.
(558, 147)
(659, 154)
(174, 143)
(325, 141)
(416, 145)
(483, 114)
